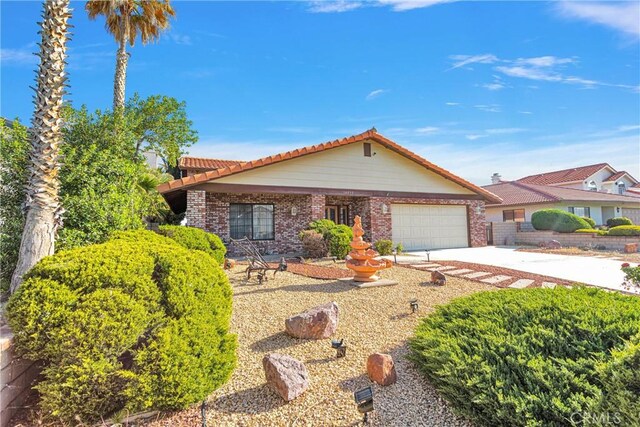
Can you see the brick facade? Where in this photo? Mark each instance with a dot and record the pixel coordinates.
(210, 211)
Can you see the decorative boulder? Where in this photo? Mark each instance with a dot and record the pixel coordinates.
(381, 369)
(542, 244)
(630, 248)
(229, 263)
(554, 244)
(316, 323)
(437, 278)
(287, 376)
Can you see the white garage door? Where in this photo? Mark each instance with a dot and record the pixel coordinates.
(429, 226)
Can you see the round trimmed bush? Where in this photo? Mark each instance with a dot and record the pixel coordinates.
(616, 222)
(383, 247)
(533, 357)
(625, 230)
(557, 220)
(591, 222)
(195, 238)
(322, 226)
(136, 323)
(338, 241)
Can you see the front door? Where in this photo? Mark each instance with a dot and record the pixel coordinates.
(331, 212)
(337, 214)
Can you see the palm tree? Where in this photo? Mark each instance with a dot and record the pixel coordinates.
(126, 20)
(42, 203)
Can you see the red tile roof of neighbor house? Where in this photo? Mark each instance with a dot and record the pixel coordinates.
(201, 163)
(515, 193)
(619, 175)
(566, 175)
(371, 134)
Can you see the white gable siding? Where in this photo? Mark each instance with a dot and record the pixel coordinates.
(347, 168)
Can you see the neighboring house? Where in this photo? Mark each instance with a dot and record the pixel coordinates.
(398, 194)
(520, 200)
(600, 177)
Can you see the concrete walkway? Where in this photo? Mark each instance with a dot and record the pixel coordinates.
(601, 272)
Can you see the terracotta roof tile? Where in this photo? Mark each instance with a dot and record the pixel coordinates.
(515, 193)
(565, 175)
(619, 175)
(201, 163)
(238, 167)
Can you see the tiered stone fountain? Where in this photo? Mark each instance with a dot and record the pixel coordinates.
(362, 258)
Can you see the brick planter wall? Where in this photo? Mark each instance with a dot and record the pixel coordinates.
(17, 376)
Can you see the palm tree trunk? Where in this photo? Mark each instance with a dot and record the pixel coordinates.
(120, 79)
(43, 206)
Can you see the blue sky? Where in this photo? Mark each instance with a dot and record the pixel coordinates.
(475, 87)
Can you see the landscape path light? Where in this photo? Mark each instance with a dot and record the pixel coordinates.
(364, 400)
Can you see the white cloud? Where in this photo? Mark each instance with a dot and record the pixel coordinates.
(182, 39)
(375, 93)
(494, 86)
(532, 73)
(504, 131)
(18, 57)
(451, 104)
(490, 108)
(628, 128)
(292, 129)
(463, 60)
(544, 61)
(474, 136)
(403, 5)
(525, 112)
(338, 6)
(621, 16)
(427, 130)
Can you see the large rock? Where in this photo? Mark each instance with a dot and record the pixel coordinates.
(437, 278)
(554, 244)
(381, 369)
(315, 323)
(287, 376)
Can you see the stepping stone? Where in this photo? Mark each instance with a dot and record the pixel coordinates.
(461, 271)
(522, 283)
(424, 265)
(495, 279)
(549, 285)
(476, 274)
(446, 267)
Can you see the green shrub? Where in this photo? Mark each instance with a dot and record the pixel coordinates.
(383, 247)
(625, 230)
(338, 241)
(592, 231)
(631, 274)
(195, 238)
(591, 222)
(322, 226)
(133, 324)
(532, 357)
(615, 222)
(557, 220)
(399, 248)
(313, 244)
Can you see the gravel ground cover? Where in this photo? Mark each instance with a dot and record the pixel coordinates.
(371, 320)
(635, 258)
(317, 271)
(515, 274)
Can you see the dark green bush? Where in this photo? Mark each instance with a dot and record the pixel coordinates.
(136, 323)
(322, 226)
(338, 241)
(195, 238)
(615, 222)
(625, 230)
(533, 357)
(591, 222)
(557, 220)
(383, 247)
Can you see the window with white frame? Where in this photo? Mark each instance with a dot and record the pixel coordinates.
(621, 187)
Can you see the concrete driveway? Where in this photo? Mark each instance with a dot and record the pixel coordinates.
(601, 272)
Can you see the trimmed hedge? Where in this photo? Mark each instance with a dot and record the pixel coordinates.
(625, 230)
(135, 323)
(558, 220)
(339, 241)
(195, 238)
(616, 222)
(534, 357)
(592, 231)
(383, 247)
(591, 222)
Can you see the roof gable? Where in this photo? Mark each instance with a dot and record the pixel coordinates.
(565, 175)
(616, 176)
(370, 135)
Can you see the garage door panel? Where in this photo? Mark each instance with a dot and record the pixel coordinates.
(429, 226)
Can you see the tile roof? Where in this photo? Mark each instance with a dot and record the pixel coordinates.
(515, 193)
(201, 163)
(619, 175)
(565, 175)
(371, 134)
